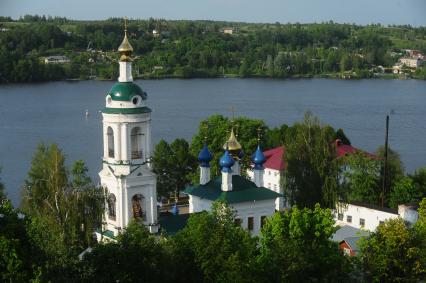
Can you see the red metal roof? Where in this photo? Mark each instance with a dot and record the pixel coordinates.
(274, 156)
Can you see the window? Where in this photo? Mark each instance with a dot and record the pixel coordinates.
(269, 185)
(381, 222)
(262, 221)
(349, 219)
(137, 206)
(275, 186)
(269, 173)
(361, 222)
(250, 224)
(110, 134)
(276, 174)
(136, 143)
(340, 216)
(111, 206)
(238, 221)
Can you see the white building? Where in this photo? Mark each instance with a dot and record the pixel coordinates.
(251, 200)
(369, 217)
(126, 174)
(229, 30)
(56, 60)
(410, 62)
(274, 165)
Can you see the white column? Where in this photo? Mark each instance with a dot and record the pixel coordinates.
(124, 142)
(117, 142)
(226, 181)
(124, 193)
(105, 141)
(204, 175)
(258, 177)
(147, 147)
(125, 72)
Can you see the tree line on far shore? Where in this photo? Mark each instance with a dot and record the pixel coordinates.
(188, 49)
(61, 208)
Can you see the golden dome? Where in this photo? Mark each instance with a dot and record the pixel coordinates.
(125, 46)
(232, 144)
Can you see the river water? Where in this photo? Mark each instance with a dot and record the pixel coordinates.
(55, 112)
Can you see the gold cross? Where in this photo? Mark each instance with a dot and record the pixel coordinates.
(125, 24)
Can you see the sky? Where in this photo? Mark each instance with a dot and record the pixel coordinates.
(385, 12)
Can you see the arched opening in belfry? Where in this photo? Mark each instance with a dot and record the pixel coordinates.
(137, 207)
(111, 206)
(136, 143)
(110, 134)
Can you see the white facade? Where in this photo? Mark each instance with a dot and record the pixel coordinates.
(249, 214)
(369, 218)
(126, 176)
(272, 181)
(411, 62)
(56, 60)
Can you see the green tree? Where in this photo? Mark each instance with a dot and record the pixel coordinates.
(136, 256)
(173, 165)
(361, 178)
(392, 254)
(213, 248)
(19, 257)
(395, 170)
(295, 246)
(404, 191)
(73, 209)
(312, 170)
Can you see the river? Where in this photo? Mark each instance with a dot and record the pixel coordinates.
(55, 112)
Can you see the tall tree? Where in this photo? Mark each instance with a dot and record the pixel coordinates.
(73, 208)
(392, 254)
(295, 246)
(361, 178)
(395, 171)
(312, 170)
(213, 248)
(173, 165)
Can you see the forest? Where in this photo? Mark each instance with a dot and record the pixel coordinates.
(194, 49)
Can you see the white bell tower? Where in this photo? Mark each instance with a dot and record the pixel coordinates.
(126, 175)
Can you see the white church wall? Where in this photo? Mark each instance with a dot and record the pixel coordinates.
(244, 210)
(354, 215)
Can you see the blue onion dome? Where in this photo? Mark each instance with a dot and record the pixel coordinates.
(226, 162)
(204, 157)
(258, 158)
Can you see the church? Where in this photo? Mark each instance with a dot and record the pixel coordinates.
(130, 184)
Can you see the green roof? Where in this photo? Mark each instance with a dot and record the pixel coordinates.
(171, 224)
(138, 110)
(243, 190)
(126, 91)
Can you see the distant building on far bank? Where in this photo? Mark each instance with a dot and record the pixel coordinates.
(412, 62)
(59, 59)
(230, 30)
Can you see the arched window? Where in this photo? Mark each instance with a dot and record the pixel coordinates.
(137, 206)
(111, 206)
(136, 143)
(110, 134)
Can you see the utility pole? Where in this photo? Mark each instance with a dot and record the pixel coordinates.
(385, 166)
